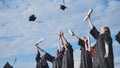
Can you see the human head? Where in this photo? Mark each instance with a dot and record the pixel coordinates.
(57, 52)
(105, 29)
(84, 38)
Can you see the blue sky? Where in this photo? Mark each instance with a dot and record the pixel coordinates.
(18, 35)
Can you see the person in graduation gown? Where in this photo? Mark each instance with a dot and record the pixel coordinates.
(93, 55)
(86, 59)
(68, 60)
(117, 37)
(104, 49)
(7, 65)
(56, 61)
(40, 61)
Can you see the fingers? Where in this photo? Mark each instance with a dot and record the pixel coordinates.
(88, 16)
(106, 56)
(71, 32)
(61, 34)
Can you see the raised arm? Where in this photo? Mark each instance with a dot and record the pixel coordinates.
(90, 22)
(37, 54)
(87, 17)
(68, 46)
(59, 47)
(74, 35)
(37, 51)
(61, 34)
(80, 41)
(40, 48)
(60, 42)
(94, 32)
(65, 40)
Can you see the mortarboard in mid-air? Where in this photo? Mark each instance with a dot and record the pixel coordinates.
(32, 17)
(63, 7)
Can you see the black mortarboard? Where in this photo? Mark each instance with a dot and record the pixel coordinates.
(7, 65)
(117, 37)
(32, 18)
(63, 7)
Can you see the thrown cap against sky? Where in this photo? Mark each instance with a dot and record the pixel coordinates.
(32, 17)
(63, 7)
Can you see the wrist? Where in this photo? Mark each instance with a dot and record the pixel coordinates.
(73, 34)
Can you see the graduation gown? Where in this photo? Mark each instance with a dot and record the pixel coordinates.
(41, 61)
(86, 60)
(7, 65)
(100, 61)
(68, 61)
(56, 61)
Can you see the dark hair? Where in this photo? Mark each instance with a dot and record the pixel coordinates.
(57, 51)
(107, 30)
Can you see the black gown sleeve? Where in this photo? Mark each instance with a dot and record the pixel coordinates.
(81, 43)
(38, 56)
(107, 39)
(49, 57)
(62, 52)
(94, 32)
(69, 46)
(44, 62)
(70, 59)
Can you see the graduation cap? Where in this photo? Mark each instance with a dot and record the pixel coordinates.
(7, 65)
(63, 7)
(117, 37)
(32, 17)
